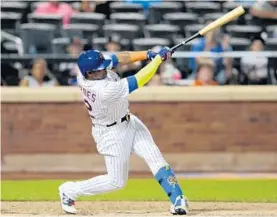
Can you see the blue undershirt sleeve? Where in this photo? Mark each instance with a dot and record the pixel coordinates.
(132, 83)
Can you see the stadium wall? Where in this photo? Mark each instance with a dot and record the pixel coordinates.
(207, 129)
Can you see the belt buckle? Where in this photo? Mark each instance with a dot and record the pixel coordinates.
(127, 117)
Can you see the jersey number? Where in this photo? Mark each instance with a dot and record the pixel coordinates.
(89, 108)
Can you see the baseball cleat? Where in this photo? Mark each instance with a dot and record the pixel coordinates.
(68, 205)
(180, 207)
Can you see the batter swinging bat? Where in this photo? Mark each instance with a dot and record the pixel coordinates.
(215, 24)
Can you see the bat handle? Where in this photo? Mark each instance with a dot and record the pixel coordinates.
(177, 46)
(196, 35)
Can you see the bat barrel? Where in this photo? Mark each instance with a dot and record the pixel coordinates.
(235, 13)
(217, 23)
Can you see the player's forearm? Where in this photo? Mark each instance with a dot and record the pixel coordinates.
(127, 57)
(144, 75)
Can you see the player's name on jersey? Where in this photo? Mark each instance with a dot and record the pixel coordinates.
(88, 94)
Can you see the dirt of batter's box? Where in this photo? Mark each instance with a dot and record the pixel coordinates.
(147, 208)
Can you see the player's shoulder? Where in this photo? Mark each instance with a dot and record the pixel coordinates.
(105, 85)
(109, 85)
(87, 84)
(102, 85)
(109, 82)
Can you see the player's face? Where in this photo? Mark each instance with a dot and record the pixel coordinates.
(98, 75)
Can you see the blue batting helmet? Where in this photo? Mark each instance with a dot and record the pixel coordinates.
(92, 60)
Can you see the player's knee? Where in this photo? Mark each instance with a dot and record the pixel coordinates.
(118, 184)
(156, 165)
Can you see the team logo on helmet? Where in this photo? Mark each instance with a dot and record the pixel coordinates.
(101, 57)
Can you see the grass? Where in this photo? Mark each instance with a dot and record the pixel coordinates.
(236, 190)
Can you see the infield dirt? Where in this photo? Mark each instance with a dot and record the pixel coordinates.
(119, 208)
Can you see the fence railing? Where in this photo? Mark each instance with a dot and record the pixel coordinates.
(178, 54)
(18, 41)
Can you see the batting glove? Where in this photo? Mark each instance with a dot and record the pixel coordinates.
(151, 54)
(165, 53)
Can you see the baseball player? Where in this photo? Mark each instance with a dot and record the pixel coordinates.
(116, 131)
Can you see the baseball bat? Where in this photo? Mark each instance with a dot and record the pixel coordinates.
(235, 13)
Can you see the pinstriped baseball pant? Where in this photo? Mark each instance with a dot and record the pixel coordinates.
(116, 143)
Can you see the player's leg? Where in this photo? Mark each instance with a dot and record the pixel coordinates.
(116, 154)
(145, 147)
(116, 178)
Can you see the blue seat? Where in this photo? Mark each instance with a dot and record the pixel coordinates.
(37, 37)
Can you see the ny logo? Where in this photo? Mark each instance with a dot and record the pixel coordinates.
(101, 57)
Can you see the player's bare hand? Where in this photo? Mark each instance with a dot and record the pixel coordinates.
(165, 53)
(151, 54)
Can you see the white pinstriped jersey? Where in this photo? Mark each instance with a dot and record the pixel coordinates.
(107, 102)
(106, 99)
